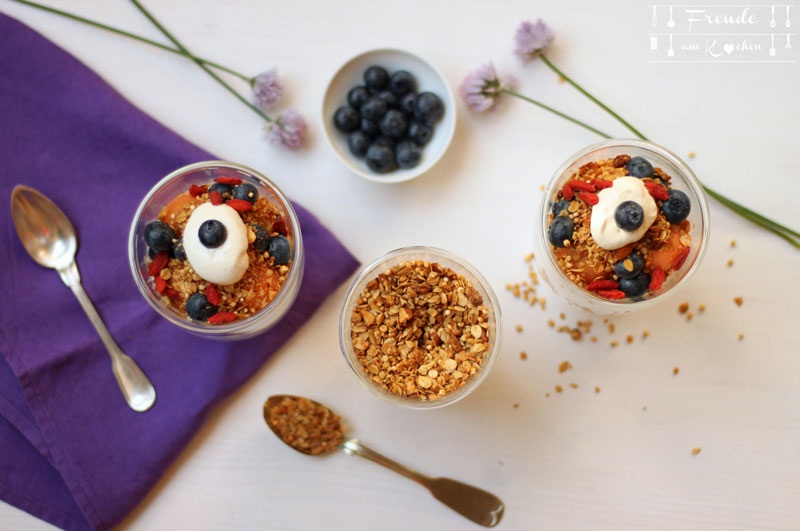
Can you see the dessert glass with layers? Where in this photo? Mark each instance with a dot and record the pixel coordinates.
(179, 182)
(682, 178)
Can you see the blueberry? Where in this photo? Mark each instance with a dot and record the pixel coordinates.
(629, 267)
(357, 96)
(629, 215)
(246, 192)
(393, 124)
(374, 109)
(152, 254)
(221, 188)
(385, 141)
(158, 236)
(358, 142)
(179, 251)
(677, 207)
(212, 233)
(370, 127)
(199, 308)
(376, 78)
(346, 119)
(636, 286)
(389, 97)
(419, 132)
(407, 104)
(559, 206)
(639, 167)
(279, 249)
(380, 158)
(560, 229)
(408, 154)
(402, 82)
(428, 107)
(262, 237)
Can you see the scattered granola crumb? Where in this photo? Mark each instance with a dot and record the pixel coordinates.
(691, 154)
(645, 333)
(541, 187)
(516, 406)
(644, 408)
(558, 389)
(573, 385)
(730, 262)
(738, 301)
(562, 316)
(550, 323)
(676, 370)
(596, 388)
(629, 339)
(523, 355)
(564, 366)
(701, 308)
(733, 243)
(610, 328)
(561, 79)
(683, 308)
(593, 339)
(696, 451)
(529, 257)
(614, 343)
(547, 395)
(741, 336)
(518, 328)
(689, 316)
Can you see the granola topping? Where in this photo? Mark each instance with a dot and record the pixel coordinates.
(420, 330)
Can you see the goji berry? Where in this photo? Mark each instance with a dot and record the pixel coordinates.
(216, 197)
(239, 205)
(279, 226)
(212, 295)
(681, 258)
(567, 192)
(582, 186)
(228, 180)
(602, 183)
(589, 197)
(657, 276)
(159, 262)
(657, 190)
(611, 293)
(222, 317)
(600, 283)
(172, 294)
(161, 284)
(195, 190)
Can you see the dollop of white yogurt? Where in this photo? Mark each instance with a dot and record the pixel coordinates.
(605, 230)
(227, 263)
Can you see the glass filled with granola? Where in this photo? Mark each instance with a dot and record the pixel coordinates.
(215, 248)
(420, 327)
(622, 225)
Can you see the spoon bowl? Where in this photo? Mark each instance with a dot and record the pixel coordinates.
(50, 239)
(476, 504)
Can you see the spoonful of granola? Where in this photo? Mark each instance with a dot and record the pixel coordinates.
(313, 429)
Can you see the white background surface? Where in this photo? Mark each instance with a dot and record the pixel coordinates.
(577, 460)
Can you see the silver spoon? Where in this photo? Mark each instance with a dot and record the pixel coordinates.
(48, 236)
(471, 502)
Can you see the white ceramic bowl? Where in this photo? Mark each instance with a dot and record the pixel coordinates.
(428, 79)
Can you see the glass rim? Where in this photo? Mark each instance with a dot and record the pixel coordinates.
(225, 329)
(348, 352)
(685, 174)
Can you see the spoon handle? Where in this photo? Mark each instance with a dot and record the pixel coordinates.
(136, 387)
(476, 504)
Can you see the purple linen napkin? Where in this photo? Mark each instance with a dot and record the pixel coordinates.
(73, 453)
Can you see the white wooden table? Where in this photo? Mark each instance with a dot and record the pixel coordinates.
(620, 459)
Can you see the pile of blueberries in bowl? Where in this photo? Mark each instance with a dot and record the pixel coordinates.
(387, 121)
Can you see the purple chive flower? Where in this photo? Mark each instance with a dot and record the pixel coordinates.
(481, 88)
(267, 89)
(289, 130)
(531, 39)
